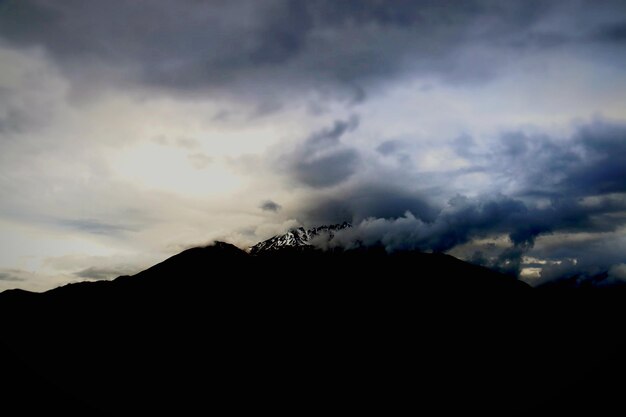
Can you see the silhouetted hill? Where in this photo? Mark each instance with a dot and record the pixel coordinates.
(292, 331)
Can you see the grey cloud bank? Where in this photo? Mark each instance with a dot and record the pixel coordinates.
(250, 45)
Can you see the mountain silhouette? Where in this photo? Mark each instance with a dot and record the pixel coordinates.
(217, 329)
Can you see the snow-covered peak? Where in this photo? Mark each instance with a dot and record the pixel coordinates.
(297, 237)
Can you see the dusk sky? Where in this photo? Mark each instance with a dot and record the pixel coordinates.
(491, 130)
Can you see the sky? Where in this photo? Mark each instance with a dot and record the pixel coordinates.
(131, 130)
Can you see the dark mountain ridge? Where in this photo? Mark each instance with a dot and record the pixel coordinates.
(305, 331)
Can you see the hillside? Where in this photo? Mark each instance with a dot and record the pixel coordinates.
(292, 331)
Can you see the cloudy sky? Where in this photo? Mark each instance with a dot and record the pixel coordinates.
(130, 130)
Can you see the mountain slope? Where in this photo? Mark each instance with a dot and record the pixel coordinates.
(217, 327)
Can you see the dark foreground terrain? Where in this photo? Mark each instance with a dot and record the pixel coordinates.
(215, 330)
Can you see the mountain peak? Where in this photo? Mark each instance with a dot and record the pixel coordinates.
(298, 237)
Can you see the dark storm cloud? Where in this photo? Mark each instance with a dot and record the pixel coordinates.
(327, 170)
(464, 219)
(592, 162)
(612, 33)
(322, 160)
(269, 205)
(362, 201)
(559, 186)
(603, 165)
(301, 44)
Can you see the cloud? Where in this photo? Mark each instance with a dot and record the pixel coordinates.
(95, 267)
(13, 275)
(269, 205)
(200, 160)
(187, 143)
(585, 254)
(614, 33)
(97, 227)
(463, 220)
(327, 170)
(390, 147)
(102, 273)
(321, 160)
(459, 221)
(356, 203)
(252, 47)
(181, 142)
(15, 120)
(618, 272)
(588, 163)
(339, 110)
(11, 278)
(554, 186)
